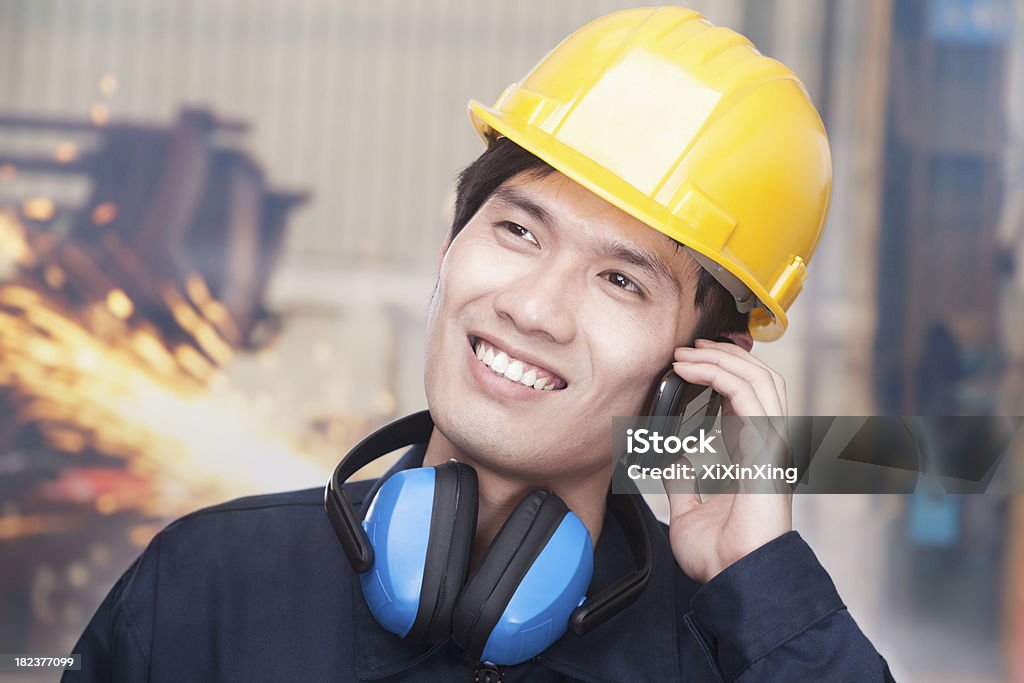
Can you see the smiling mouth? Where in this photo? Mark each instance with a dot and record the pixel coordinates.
(514, 370)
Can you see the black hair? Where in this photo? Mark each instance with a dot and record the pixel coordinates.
(504, 160)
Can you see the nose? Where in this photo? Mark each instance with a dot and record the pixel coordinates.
(540, 304)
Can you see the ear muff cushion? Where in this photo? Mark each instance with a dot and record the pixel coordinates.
(452, 528)
(510, 555)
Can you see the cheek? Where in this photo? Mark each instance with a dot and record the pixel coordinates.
(466, 275)
(474, 267)
(630, 358)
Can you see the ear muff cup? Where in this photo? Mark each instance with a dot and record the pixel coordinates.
(452, 529)
(507, 560)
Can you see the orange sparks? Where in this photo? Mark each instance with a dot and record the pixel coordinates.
(197, 289)
(104, 213)
(66, 152)
(119, 304)
(13, 242)
(101, 377)
(19, 526)
(99, 114)
(54, 276)
(38, 209)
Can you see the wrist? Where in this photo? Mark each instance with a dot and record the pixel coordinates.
(761, 600)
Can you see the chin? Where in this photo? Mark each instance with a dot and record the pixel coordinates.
(489, 439)
(473, 429)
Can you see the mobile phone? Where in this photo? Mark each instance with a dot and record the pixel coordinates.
(673, 397)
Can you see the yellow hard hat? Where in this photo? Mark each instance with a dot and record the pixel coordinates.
(687, 127)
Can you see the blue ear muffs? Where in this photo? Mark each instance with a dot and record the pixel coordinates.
(412, 553)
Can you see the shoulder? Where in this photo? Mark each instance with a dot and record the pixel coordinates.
(227, 554)
(287, 506)
(263, 514)
(273, 558)
(283, 532)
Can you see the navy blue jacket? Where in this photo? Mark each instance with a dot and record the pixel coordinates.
(258, 589)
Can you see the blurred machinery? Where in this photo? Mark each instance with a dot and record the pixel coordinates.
(133, 264)
(179, 204)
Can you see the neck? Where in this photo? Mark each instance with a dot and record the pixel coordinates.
(500, 492)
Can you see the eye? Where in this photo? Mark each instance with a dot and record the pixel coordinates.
(519, 231)
(623, 282)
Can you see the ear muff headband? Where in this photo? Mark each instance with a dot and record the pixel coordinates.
(406, 431)
(452, 528)
(627, 589)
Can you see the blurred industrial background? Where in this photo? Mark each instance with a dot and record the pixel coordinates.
(219, 223)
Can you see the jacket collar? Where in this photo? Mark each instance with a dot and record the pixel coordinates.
(643, 634)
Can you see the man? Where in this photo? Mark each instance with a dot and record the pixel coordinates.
(557, 306)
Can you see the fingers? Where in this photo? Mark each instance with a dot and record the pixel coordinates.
(706, 363)
(746, 386)
(753, 390)
(777, 379)
(738, 391)
(762, 447)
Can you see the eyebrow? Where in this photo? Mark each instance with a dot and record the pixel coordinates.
(641, 258)
(650, 263)
(513, 198)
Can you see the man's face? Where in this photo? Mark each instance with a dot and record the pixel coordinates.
(585, 297)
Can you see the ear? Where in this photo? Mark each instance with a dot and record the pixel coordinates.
(742, 339)
(441, 252)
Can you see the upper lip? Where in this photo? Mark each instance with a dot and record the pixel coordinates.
(519, 354)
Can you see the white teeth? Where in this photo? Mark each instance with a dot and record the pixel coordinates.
(511, 369)
(514, 371)
(499, 363)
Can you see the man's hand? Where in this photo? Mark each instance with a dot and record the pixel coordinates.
(709, 536)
